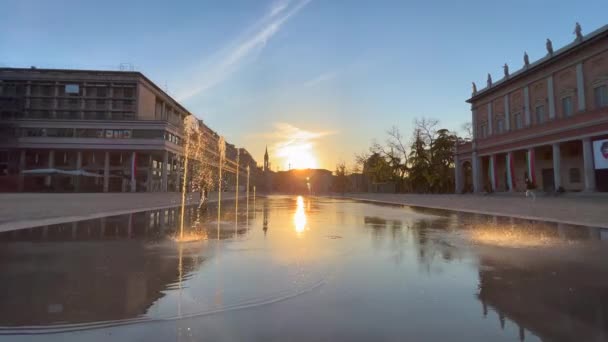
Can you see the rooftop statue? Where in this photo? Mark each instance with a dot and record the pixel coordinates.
(549, 47)
(474, 88)
(526, 60)
(489, 80)
(505, 68)
(578, 32)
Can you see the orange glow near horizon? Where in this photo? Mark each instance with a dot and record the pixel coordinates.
(297, 156)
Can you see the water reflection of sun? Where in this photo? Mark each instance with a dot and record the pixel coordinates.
(299, 218)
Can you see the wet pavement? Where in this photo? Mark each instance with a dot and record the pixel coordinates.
(284, 268)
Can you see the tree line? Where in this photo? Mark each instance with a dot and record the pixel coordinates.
(420, 163)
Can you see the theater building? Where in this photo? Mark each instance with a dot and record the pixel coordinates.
(546, 122)
(89, 131)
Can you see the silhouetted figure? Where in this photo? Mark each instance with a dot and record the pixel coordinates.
(530, 189)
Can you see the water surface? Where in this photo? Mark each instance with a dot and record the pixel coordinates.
(288, 268)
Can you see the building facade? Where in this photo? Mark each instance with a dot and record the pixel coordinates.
(88, 131)
(547, 122)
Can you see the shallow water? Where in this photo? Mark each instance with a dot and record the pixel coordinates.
(305, 269)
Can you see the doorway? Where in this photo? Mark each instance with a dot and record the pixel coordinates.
(548, 184)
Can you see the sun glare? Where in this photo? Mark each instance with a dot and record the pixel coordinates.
(297, 156)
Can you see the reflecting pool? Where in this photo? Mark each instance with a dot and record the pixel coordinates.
(298, 268)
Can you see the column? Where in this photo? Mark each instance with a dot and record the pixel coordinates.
(557, 175)
(507, 114)
(527, 106)
(589, 170)
(178, 173)
(28, 94)
(106, 172)
(21, 179)
(490, 118)
(133, 171)
(78, 167)
(55, 100)
(551, 97)
(47, 179)
(492, 171)
(474, 122)
(476, 173)
(164, 171)
(580, 87)
(82, 100)
(510, 171)
(457, 175)
(530, 165)
(149, 176)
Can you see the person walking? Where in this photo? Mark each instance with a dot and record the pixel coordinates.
(530, 189)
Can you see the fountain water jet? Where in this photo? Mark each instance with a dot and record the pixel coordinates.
(221, 147)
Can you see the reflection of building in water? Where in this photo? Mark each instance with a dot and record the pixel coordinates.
(265, 214)
(103, 269)
(557, 295)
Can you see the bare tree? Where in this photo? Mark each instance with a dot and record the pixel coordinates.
(360, 159)
(427, 129)
(395, 151)
(467, 129)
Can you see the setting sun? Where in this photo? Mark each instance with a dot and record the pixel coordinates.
(297, 156)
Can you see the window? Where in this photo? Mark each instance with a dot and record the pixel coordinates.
(601, 96)
(500, 126)
(540, 114)
(483, 130)
(567, 106)
(518, 121)
(72, 89)
(128, 92)
(575, 175)
(101, 92)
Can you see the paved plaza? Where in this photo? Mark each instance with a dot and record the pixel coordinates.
(25, 210)
(577, 208)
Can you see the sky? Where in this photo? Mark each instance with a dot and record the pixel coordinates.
(314, 80)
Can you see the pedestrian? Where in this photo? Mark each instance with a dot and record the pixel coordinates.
(530, 189)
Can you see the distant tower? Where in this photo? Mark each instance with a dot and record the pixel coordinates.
(266, 162)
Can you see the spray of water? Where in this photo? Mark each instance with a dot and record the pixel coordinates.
(221, 148)
(190, 129)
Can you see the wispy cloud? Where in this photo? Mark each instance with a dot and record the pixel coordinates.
(324, 77)
(232, 58)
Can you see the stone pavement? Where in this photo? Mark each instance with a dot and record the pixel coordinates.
(579, 209)
(24, 210)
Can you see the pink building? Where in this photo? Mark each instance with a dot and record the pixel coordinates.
(547, 122)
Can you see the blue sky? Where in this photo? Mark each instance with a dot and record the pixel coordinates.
(328, 75)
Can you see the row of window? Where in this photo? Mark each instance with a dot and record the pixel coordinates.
(567, 105)
(72, 89)
(95, 133)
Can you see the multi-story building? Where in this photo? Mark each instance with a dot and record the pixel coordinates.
(83, 130)
(547, 122)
